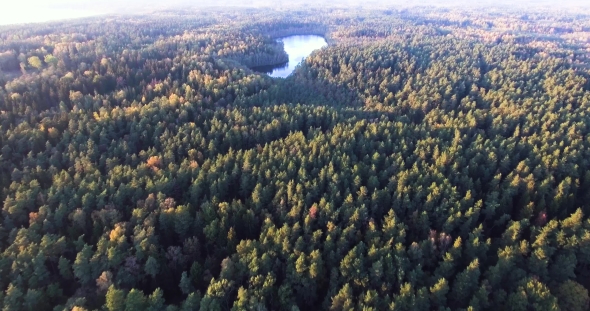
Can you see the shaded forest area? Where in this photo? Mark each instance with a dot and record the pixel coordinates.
(427, 159)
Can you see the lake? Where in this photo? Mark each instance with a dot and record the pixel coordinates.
(297, 47)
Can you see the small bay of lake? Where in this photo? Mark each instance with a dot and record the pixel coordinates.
(297, 47)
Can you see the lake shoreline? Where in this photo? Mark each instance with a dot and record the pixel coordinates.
(298, 47)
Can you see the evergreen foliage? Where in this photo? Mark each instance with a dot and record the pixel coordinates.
(417, 163)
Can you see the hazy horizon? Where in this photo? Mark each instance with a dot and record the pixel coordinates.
(36, 11)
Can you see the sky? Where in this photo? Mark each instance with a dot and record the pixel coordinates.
(34, 11)
(31, 11)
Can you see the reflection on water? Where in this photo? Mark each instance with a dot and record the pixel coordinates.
(269, 69)
(297, 47)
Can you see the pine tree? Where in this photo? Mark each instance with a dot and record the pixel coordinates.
(135, 301)
(466, 283)
(151, 267)
(185, 285)
(439, 293)
(572, 296)
(12, 298)
(532, 294)
(191, 302)
(343, 301)
(65, 269)
(155, 301)
(82, 265)
(115, 299)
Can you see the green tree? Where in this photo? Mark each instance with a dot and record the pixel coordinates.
(82, 266)
(466, 283)
(192, 302)
(12, 298)
(35, 62)
(33, 300)
(65, 268)
(532, 295)
(50, 59)
(185, 285)
(151, 267)
(439, 293)
(155, 301)
(115, 299)
(343, 300)
(572, 296)
(135, 301)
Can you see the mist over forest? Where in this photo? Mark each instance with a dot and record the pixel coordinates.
(37, 11)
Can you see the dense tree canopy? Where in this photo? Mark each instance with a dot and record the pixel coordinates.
(421, 161)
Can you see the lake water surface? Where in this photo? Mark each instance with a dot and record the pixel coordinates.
(297, 47)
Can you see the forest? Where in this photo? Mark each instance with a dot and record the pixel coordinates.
(426, 159)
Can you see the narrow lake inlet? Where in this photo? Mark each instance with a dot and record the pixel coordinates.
(297, 47)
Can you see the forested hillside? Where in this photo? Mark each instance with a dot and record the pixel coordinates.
(427, 159)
